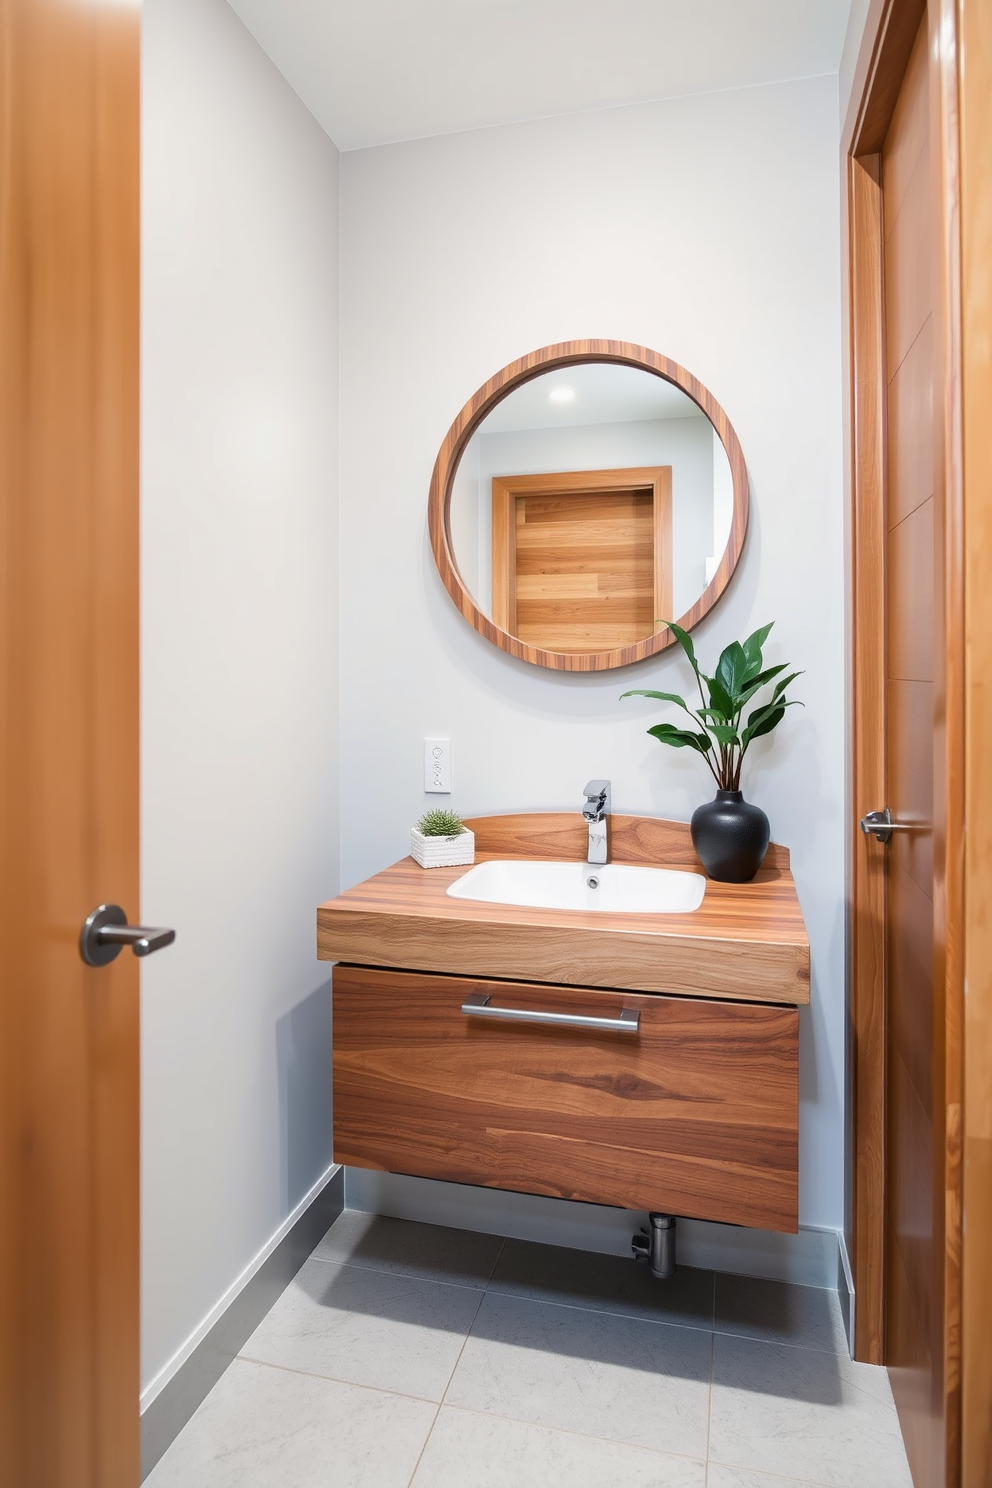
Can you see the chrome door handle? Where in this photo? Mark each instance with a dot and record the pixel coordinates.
(106, 932)
(477, 1006)
(882, 825)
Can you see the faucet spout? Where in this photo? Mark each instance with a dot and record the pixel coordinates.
(596, 813)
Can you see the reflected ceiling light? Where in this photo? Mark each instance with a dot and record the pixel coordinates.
(561, 395)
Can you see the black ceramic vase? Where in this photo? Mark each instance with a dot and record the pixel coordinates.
(730, 837)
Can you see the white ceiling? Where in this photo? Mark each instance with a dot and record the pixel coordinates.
(602, 393)
(373, 71)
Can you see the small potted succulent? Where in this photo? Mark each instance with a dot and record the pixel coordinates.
(441, 840)
(729, 834)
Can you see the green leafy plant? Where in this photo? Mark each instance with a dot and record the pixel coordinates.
(718, 734)
(440, 823)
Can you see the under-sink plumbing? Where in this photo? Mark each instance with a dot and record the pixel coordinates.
(657, 1245)
(596, 813)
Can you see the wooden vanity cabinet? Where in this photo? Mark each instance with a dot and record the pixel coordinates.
(696, 1114)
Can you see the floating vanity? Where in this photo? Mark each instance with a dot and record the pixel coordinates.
(638, 1059)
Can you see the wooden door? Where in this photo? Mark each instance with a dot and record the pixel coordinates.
(914, 1311)
(69, 164)
(975, 49)
(909, 642)
(582, 559)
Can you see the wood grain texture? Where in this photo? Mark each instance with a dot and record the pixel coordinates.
(649, 840)
(696, 1115)
(746, 941)
(909, 103)
(868, 745)
(914, 681)
(564, 354)
(582, 560)
(975, 63)
(951, 828)
(891, 27)
(69, 301)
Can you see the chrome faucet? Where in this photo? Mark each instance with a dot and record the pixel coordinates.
(596, 812)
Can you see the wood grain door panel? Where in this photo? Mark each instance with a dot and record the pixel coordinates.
(696, 1115)
(910, 420)
(911, 613)
(69, 1147)
(913, 689)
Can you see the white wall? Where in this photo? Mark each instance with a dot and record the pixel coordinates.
(705, 227)
(857, 23)
(239, 654)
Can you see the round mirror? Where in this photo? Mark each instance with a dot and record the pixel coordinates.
(586, 495)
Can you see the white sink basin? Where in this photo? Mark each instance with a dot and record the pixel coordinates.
(617, 888)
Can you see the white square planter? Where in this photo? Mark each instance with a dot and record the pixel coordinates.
(442, 852)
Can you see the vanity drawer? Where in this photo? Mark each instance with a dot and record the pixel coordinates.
(695, 1113)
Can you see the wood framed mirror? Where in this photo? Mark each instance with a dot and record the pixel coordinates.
(587, 493)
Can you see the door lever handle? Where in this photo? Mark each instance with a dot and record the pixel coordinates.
(106, 932)
(881, 824)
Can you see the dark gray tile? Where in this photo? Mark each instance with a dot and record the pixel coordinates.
(432, 1252)
(605, 1283)
(752, 1307)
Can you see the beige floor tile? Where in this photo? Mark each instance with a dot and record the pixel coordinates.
(578, 1370)
(368, 1327)
(271, 1428)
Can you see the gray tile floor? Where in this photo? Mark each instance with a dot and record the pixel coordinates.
(408, 1356)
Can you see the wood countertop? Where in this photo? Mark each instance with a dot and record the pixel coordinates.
(746, 942)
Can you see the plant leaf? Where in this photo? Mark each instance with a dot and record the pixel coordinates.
(667, 733)
(768, 674)
(763, 720)
(765, 726)
(721, 702)
(724, 734)
(781, 686)
(684, 641)
(731, 671)
(662, 697)
(752, 646)
(756, 640)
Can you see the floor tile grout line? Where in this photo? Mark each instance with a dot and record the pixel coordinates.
(462, 1286)
(423, 1449)
(499, 1254)
(333, 1379)
(630, 1317)
(610, 1441)
(774, 1477)
(465, 1340)
(485, 1288)
(709, 1404)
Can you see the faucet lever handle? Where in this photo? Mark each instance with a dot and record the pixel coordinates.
(597, 790)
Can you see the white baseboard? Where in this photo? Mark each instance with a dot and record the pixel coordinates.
(809, 1258)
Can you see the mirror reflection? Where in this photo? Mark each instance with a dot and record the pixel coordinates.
(592, 503)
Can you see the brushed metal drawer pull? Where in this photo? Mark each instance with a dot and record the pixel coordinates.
(478, 1006)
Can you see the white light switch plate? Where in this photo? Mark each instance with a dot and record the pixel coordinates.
(437, 767)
